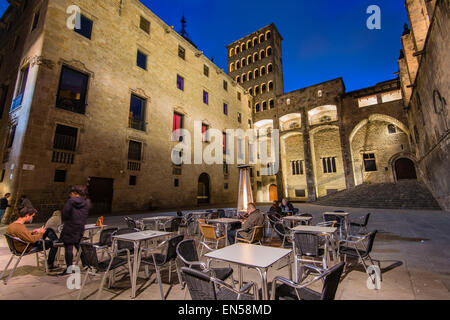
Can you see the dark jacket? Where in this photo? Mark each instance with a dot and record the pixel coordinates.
(255, 219)
(4, 204)
(287, 208)
(275, 209)
(74, 217)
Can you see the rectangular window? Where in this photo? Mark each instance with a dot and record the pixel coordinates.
(85, 27)
(60, 176)
(3, 97)
(2, 177)
(141, 60)
(206, 70)
(239, 117)
(239, 96)
(225, 148)
(300, 193)
(21, 85)
(137, 113)
(145, 25)
(72, 91)
(133, 180)
(225, 85)
(11, 136)
(177, 124)
(249, 124)
(225, 186)
(176, 183)
(134, 151)
(297, 167)
(205, 97)
(65, 138)
(35, 20)
(329, 165)
(181, 52)
(225, 169)
(205, 133)
(180, 82)
(370, 164)
(225, 109)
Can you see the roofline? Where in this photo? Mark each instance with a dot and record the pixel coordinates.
(269, 25)
(314, 85)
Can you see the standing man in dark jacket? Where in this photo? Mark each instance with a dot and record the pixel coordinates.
(4, 204)
(74, 217)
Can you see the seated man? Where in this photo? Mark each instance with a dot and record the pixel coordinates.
(17, 229)
(275, 208)
(286, 207)
(255, 219)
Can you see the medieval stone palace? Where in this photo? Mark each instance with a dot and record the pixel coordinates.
(97, 105)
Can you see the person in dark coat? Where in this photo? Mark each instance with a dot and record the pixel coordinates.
(74, 217)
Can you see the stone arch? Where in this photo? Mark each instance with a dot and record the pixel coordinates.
(398, 156)
(231, 52)
(290, 121)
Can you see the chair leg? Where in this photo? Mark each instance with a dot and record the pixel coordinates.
(6, 268)
(102, 285)
(170, 271)
(13, 269)
(82, 286)
(179, 274)
(158, 275)
(37, 260)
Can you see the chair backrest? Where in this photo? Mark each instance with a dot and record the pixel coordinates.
(199, 284)
(175, 224)
(89, 255)
(366, 219)
(130, 222)
(221, 213)
(187, 249)
(333, 217)
(273, 218)
(208, 231)
(10, 240)
(280, 230)
(371, 239)
(124, 244)
(331, 281)
(171, 253)
(306, 244)
(106, 236)
(258, 233)
(213, 215)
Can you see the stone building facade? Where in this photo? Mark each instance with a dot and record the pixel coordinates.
(424, 66)
(98, 107)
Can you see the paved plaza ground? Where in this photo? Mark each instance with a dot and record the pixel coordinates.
(413, 247)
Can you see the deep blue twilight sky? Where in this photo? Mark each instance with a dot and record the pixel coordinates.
(323, 39)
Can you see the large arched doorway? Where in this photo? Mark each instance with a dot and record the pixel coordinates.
(203, 195)
(405, 169)
(273, 193)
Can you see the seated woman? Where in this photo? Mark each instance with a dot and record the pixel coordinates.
(17, 229)
(275, 208)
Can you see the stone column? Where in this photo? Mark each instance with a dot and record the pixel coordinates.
(309, 169)
(279, 175)
(345, 147)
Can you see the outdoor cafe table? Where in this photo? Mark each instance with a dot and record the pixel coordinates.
(327, 232)
(260, 258)
(136, 238)
(345, 216)
(155, 220)
(226, 222)
(297, 219)
(92, 229)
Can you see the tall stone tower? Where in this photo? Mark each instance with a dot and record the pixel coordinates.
(255, 62)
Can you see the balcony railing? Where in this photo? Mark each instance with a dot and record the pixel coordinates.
(63, 157)
(134, 166)
(17, 102)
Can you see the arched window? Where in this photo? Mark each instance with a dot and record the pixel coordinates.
(237, 49)
(256, 90)
(268, 35)
(261, 38)
(270, 68)
(269, 51)
(270, 86)
(271, 104)
(231, 67)
(250, 91)
(231, 52)
(262, 54)
(256, 57)
(250, 75)
(238, 65)
(244, 77)
(256, 73)
(243, 62)
(249, 44)
(249, 59)
(255, 41)
(243, 47)
(238, 79)
(263, 88)
(257, 108)
(264, 105)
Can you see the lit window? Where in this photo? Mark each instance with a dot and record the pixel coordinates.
(177, 125)
(137, 113)
(72, 91)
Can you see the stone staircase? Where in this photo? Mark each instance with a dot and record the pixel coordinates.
(406, 194)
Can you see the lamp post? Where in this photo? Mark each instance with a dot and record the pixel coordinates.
(245, 189)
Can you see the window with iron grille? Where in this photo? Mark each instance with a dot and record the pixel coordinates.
(329, 165)
(85, 27)
(369, 162)
(145, 25)
(65, 138)
(134, 151)
(137, 113)
(72, 90)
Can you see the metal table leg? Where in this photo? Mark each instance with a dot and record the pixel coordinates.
(265, 290)
(135, 270)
